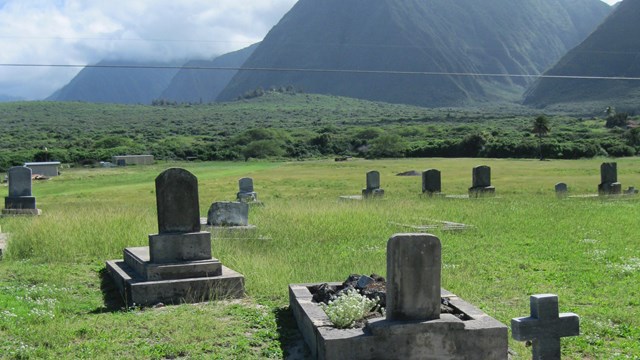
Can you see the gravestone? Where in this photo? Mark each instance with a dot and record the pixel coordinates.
(609, 184)
(20, 200)
(177, 266)
(246, 192)
(431, 182)
(545, 327)
(373, 186)
(413, 278)
(228, 214)
(481, 182)
(562, 190)
(414, 327)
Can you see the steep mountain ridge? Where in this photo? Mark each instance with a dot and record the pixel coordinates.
(435, 36)
(610, 51)
(204, 85)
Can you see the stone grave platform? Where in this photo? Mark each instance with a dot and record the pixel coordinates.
(478, 336)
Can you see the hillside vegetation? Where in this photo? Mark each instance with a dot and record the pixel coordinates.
(297, 126)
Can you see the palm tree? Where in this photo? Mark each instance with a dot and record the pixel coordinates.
(541, 128)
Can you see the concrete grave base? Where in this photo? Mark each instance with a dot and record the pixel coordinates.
(21, 212)
(144, 283)
(350, 198)
(20, 202)
(372, 193)
(479, 336)
(429, 194)
(247, 197)
(477, 192)
(610, 189)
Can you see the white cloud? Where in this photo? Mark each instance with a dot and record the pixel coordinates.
(85, 32)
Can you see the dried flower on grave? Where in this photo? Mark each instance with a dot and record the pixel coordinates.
(348, 308)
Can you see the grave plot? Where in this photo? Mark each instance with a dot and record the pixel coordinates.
(414, 326)
(372, 191)
(177, 266)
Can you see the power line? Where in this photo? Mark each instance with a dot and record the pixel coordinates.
(339, 71)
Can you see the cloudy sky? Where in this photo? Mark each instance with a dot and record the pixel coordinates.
(86, 31)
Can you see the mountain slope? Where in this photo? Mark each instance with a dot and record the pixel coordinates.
(612, 50)
(204, 85)
(442, 36)
(109, 82)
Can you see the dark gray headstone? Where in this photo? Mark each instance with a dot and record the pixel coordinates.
(609, 173)
(413, 277)
(481, 176)
(246, 185)
(545, 327)
(561, 188)
(228, 214)
(19, 181)
(373, 180)
(177, 202)
(431, 181)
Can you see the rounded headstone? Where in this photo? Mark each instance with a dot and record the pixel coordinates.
(177, 202)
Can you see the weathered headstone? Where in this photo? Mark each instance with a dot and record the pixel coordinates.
(373, 185)
(177, 202)
(177, 266)
(545, 327)
(246, 192)
(228, 214)
(609, 184)
(431, 182)
(413, 277)
(481, 182)
(562, 190)
(20, 200)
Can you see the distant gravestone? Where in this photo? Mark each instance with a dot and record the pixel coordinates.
(228, 214)
(177, 202)
(413, 277)
(246, 193)
(562, 190)
(481, 182)
(20, 200)
(373, 185)
(545, 327)
(431, 182)
(609, 184)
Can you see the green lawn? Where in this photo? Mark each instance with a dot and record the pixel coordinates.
(55, 301)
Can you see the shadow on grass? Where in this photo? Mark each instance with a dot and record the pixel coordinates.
(113, 301)
(291, 341)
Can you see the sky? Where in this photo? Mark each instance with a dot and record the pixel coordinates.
(83, 32)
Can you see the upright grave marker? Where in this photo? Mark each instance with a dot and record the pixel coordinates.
(545, 327)
(177, 266)
(246, 192)
(431, 182)
(481, 182)
(609, 184)
(20, 200)
(562, 190)
(373, 186)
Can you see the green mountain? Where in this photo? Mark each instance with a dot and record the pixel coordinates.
(610, 51)
(204, 85)
(437, 36)
(114, 82)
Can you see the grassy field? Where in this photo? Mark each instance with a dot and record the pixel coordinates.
(56, 303)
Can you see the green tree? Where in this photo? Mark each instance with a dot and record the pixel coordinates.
(541, 128)
(387, 145)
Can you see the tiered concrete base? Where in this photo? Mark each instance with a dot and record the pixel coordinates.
(477, 192)
(21, 212)
(372, 193)
(478, 336)
(144, 283)
(610, 189)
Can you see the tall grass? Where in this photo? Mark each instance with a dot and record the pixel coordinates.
(523, 242)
